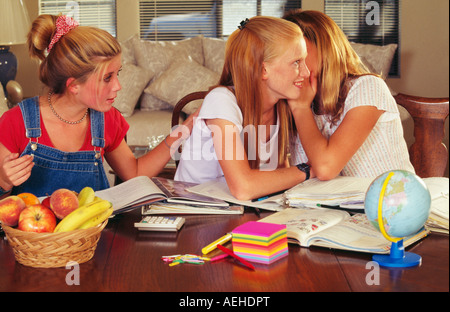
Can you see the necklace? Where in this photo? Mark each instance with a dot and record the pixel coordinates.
(59, 117)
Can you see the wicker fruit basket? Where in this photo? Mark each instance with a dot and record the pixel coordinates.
(52, 250)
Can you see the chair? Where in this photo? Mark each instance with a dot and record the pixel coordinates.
(177, 110)
(428, 154)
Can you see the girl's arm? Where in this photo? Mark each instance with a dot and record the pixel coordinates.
(329, 156)
(126, 166)
(246, 183)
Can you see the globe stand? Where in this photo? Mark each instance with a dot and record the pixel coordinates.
(398, 257)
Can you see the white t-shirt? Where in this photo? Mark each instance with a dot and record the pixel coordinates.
(385, 148)
(198, 161)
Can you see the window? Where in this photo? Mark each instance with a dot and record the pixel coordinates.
(373, 22)
(98, 13)
(179, 19)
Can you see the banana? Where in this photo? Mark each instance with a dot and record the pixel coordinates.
(86, 196)
(79, 216)
(98, 219)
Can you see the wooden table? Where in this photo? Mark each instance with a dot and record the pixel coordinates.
(130, 260)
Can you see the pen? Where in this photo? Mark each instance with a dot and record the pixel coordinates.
(232, 254)
(219, 257)
(339, 208)
(267, 196)
(214, 244)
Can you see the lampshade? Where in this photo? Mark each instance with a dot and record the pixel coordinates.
(14, 22)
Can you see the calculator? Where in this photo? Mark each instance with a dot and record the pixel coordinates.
(159, 223)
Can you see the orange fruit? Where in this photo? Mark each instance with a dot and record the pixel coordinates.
(29, 199)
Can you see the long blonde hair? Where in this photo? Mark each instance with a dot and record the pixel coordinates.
(81, 52)
(260, 40)
(337, 64)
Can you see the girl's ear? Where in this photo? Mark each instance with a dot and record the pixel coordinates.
(265, 74)
(72, 86)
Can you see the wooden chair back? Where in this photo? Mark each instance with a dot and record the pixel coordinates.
(177, 110)
(428, 154)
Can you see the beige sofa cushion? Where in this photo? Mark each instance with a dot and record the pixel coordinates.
(144, 124)
(156, 56)
(183, 77)
(377, 58)
(214, 53)
(133, 80)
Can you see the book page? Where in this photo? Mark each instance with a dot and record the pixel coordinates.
(131, 192)
(358, 234)
(302, 223)
(338, 191)
(219, 189)
(338, 185)
(177, 192)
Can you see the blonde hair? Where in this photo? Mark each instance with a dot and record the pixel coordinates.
(81, 52)
(337, 64)
(260, 40)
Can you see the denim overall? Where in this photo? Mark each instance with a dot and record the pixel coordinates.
(54, 169)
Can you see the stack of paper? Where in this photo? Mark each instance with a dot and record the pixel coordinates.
(260, 242)
(438, 220)
(348, 192)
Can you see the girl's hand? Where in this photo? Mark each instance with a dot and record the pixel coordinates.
(307, 94)
(15, 170)
(189, 123)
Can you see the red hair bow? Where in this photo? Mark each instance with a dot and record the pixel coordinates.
(64, 24)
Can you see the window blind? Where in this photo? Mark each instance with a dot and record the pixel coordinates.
(97, 13)
(180, 19)
(370, 22)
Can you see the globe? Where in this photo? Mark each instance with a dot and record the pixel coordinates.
(397, 203)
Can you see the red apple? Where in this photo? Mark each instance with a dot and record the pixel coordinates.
(10, 209)
(63, 202)
(37, 218)
(46, 202)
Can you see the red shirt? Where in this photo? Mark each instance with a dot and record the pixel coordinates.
(12, 132)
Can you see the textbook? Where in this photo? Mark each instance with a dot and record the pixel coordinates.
(438, 220)
(335, 229)
(219, 189)
(165, 208)
(142, 190)
(343, 191)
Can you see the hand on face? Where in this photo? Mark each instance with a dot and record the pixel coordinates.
(307, 94)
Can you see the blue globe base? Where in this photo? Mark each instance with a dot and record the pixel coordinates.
(398, 258)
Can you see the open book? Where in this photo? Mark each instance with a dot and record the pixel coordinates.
(174, 208)
(335, 229)
(343, 191)
(219, 189)
(142, 190)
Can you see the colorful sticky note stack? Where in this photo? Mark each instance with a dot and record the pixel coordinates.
(260, 242)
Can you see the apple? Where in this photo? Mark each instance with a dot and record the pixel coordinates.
(63, 202)
(10, 209)
(37, 218)
(46, 202)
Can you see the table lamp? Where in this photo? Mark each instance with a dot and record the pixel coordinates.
(14, 27)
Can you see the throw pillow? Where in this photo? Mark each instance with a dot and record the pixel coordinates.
(156, 56)
(128, 50)
(376, 58)
(152, 103)
(214, 53)
(133, 80)
(183, 77)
